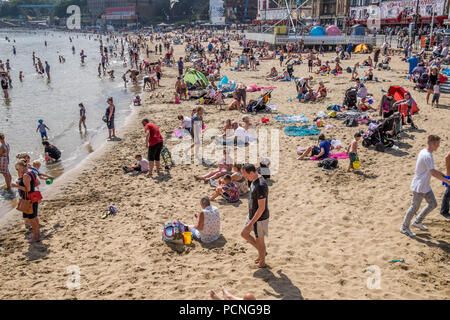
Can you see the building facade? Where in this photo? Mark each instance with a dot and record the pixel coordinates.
(99, 7)
(329, 12)
(397, 12)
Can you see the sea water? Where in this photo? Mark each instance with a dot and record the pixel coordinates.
(56, 101)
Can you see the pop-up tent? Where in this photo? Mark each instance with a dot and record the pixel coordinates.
(194, 76)
(361, 48)
(317, 31)
(358, 30)
(399, 94)
(333, 31)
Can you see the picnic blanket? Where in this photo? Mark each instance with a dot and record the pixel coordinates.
(292, 119)
(306, 130)
(337, 156)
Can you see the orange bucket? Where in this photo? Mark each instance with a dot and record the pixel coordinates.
(187, 237)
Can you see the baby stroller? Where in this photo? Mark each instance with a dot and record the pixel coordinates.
(290, 70)
(350, 98)
(260, 104)
(392, 126)
(377, 137)
(421, 81)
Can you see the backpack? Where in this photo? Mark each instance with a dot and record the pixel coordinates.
(328, 164)
(173, 231)
(351, 122)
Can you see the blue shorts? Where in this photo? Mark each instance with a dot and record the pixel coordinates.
(44, 134)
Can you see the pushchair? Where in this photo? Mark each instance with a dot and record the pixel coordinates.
(376, 136)
(350, 98)
(421, 81)
(260, 104)
(290, 70)
(392, 126)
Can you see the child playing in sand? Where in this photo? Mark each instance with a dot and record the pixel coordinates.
(42, 129)
(321, 91)
(352, 150)
(141, 165)
(228, 189)
(35, 166)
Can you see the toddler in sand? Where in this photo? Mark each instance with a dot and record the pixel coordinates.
(352, 150)
(141, 165)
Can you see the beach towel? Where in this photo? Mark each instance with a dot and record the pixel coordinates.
(292, 119)
(337, 156)
(254, 88)
(306, 130)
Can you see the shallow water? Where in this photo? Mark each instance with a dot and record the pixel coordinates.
(56, 101)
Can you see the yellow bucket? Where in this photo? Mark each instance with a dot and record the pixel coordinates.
(356, 164)
(187, 236)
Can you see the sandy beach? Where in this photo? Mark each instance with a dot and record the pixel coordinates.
(327, 228)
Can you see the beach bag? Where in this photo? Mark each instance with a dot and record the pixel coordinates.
(105, 119)
(35, 196)
(328, 164)
(25, 205)
(349, 70)
(173, 231)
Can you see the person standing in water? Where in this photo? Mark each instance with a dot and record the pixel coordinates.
(4, 83)
(47, 70)
(82, 117)
(110, 118)
(4, 162)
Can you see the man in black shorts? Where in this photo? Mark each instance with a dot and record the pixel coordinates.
(258, 215)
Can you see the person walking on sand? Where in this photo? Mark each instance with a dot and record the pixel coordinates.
(446, 199)
(110, 110)
(258, 216)
(421, 187)
(4, 162)
(154, 144)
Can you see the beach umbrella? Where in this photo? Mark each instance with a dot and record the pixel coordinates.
(317, 31)
(193, 76)
(332, 31)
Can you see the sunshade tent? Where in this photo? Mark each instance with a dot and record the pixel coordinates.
(361, 48)
(317, 31)
(193, 76)
(399, 94)
(332, 31)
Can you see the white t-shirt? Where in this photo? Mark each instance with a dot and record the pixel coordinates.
(144, 165)
(186, 123)
(436, 89)
(422, 175)
(241, 134)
